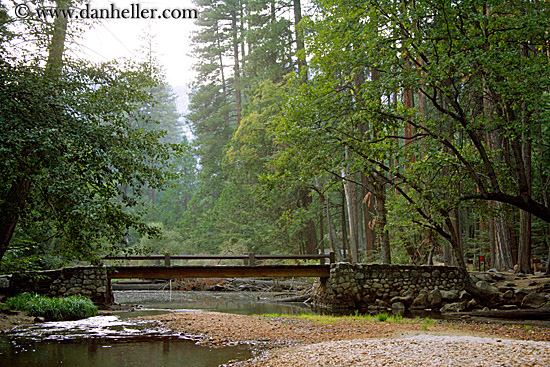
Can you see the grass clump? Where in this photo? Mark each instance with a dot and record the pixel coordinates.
(53, 309)
(429, 321)
(331, 319)
(396, 319)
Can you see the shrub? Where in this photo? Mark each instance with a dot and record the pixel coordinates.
(53, 309)
(382, 316)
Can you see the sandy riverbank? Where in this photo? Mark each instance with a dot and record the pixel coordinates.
(294, 341)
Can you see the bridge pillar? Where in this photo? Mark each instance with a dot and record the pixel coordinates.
(251, 261)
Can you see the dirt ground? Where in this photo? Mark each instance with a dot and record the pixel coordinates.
(10, 319)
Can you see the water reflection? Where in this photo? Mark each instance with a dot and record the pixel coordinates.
(118, 341)
(108, 341)
(94, 352)
(238, 302)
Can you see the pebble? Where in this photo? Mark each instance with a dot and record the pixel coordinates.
(418, 350)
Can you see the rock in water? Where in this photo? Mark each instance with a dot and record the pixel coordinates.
(435, 297)
(398, 308)
(534, 300)
(421, 301)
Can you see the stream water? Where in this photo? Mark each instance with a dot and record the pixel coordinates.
(117, 340)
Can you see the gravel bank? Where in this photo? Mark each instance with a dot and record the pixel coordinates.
(419, 350)
(297, 341)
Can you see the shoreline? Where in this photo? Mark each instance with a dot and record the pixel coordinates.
(322, 340)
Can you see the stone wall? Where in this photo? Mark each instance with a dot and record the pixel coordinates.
(357, 286)
(89, 281)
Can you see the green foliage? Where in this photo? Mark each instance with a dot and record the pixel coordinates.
(53, 309)
(20, 258)
(74, 140)
(364, 56)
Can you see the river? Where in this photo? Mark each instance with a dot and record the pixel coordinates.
(117, 340)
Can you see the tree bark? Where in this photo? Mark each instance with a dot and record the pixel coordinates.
(345, 243)
(57, 43)
(297, 6)
(383, 236)
(503, 253)
(333, 240)
(236, 67)
(351, 204)
(310, 233)
(370, 234)
(524, 251)
(523, 162)
(11, 210)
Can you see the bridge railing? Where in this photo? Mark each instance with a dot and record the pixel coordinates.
(249, 259)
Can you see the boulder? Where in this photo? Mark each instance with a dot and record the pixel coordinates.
(372, 309)
(482, 277)
(406, 299)
(454, 307)
(504, 289)
(534, 300)
(520, 294)
(381, 304)
(421, 301)
(509, 294)
(485, 287)
(508, 307)
(472, 303)
(449, 295)
(398, 308)
(435, 298)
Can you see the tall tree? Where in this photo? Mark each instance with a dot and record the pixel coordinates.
(67, 147)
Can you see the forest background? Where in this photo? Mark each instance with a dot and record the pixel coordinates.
(385, 131)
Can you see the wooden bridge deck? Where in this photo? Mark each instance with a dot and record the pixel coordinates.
(220, 271)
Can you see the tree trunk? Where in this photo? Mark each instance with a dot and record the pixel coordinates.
(492, 242)
(333, 240)
(523, 160)
(299, 38)
(57, 44)
(351, 204)
(236, 67)
(345, 243)
(243, 51)
(454, 241)
(310, 233)
(524, 251)
(321, 246)
(10, 211)
(220, 60)
(370, 234)
(503, 254)
(383, 236)
(14, 203)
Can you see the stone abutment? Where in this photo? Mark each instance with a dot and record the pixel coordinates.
(88, 281)
(361, 287)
